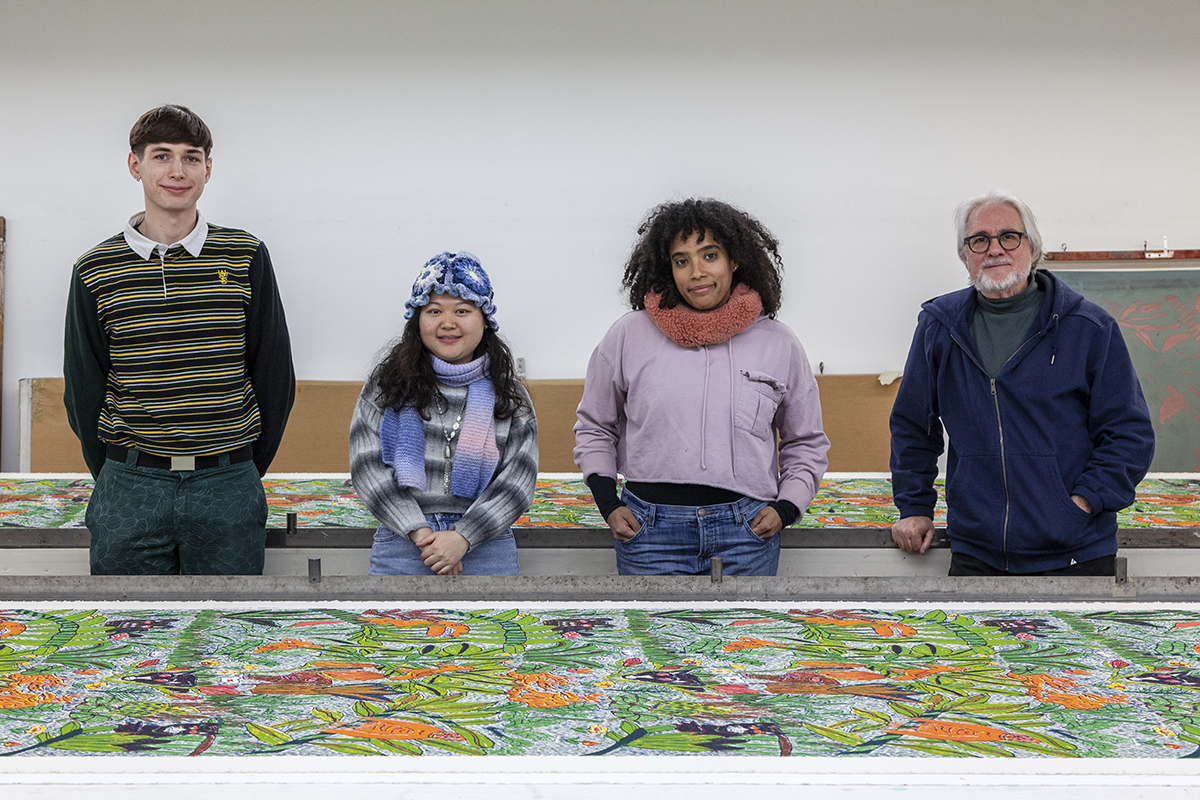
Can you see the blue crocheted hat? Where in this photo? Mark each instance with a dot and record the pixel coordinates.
(459, 274)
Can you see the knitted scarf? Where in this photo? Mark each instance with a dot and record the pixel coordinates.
(402, 434)
(688, 327)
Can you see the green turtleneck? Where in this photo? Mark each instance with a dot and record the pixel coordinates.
(1000, 327)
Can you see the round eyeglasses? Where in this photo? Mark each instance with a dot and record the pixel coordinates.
(980, 242)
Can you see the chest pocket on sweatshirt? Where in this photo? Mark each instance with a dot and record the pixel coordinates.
(759, 396)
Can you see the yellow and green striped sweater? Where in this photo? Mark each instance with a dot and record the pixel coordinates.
(176, 354)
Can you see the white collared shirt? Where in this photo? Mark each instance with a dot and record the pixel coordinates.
(144, 247)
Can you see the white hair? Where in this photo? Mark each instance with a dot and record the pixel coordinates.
(968, 207)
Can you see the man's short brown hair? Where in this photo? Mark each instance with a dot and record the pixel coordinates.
(171, 124)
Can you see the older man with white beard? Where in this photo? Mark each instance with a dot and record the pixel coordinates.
(1049, 432)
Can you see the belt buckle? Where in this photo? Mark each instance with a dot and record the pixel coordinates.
(183, 463)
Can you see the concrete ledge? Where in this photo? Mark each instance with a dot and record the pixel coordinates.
(592, 538)
(581, 588)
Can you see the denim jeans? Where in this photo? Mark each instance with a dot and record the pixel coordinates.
(395, 554)
(682, 540)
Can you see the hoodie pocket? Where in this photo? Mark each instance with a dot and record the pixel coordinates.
(975, 501)
(1043, 519)
(759, 395)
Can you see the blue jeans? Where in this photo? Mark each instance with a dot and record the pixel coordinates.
(682, 540)
(395, 554)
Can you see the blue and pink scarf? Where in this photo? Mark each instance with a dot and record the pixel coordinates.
(476, 456)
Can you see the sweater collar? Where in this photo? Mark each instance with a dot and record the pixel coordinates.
(1032, 294)
(688, 327)
(954, 310)
(145, 247)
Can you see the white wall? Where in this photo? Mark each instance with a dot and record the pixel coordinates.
(359, 138)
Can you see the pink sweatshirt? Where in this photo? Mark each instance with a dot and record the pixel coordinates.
(658, 412)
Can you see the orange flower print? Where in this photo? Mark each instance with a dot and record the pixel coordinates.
(10, 628)
(285, 644)
(1049, 689)
(536, 690)
(748, 643)
(960, 732)
(372, 728)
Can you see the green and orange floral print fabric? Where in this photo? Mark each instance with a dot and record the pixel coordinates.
(383, 681)
(559, 502)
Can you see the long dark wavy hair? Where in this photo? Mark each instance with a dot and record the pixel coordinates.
(749, 244)
(405, 377)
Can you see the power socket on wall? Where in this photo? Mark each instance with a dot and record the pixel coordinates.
(521, 368)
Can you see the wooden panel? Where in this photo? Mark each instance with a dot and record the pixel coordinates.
(855, 410)
(52, 444)
(554, 402)
(317, 438)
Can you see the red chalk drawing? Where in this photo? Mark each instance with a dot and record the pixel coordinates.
(1174, 340)
(1174, 403)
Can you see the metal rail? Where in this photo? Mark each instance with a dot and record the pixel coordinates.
(587, 538)
(607, 588)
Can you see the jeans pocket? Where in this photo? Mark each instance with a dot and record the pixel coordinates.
(749, 531)
(641, 518)
(384, 534)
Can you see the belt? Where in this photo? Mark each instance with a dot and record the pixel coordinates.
(180, 463)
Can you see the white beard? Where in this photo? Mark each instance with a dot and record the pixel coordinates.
(984, 283)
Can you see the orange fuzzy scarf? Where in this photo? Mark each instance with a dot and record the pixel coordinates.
(688, 327)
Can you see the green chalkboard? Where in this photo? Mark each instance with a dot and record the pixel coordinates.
(1159, 313)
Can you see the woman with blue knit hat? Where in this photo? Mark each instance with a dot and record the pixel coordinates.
(443, 445)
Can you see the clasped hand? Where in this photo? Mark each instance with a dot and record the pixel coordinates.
(442, 551)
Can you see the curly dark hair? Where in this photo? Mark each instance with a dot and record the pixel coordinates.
(405, 377)
(749, 244)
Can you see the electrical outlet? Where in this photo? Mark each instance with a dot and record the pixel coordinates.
(521, 368)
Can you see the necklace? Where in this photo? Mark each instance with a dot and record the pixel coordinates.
(449, 434)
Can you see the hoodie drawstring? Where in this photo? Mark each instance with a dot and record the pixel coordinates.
(704, 411)
(732, 405)
(1054, 345)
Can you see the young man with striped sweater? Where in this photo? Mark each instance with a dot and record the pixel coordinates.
(178, 372)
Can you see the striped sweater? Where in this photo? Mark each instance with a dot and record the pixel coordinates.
(178, 354)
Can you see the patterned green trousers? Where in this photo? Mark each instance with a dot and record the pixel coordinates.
(147, 521)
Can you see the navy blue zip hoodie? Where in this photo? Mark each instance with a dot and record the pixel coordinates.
(1064, 416)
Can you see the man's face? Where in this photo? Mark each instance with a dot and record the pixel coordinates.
(172, 175)
(997, 272)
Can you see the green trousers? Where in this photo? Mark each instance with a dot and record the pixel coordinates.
(147, 521)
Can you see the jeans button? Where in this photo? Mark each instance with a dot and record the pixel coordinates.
(702, 512)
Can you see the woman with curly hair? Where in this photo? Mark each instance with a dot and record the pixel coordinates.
(688, 396)
(443, 443)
